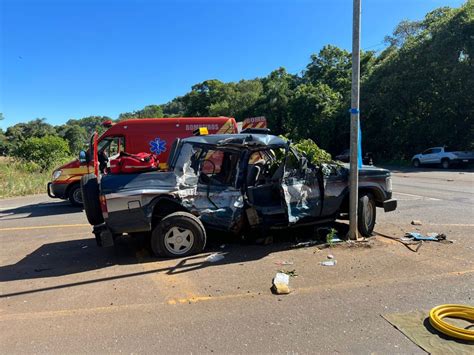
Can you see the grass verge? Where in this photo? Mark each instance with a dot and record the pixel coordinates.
(21, 178)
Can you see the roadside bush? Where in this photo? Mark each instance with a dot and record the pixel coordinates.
(315, 154)
(45, 151)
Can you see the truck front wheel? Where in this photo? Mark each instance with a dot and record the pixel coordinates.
(75, 195)
(178, 234)
(366, 215)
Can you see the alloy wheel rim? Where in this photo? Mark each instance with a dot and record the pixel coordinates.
(77, 196)
(179, 240)
(369, 214)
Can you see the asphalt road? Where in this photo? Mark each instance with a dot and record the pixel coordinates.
(60, 293)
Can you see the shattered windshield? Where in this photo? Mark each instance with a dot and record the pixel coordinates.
(205, 164)
(186, 168)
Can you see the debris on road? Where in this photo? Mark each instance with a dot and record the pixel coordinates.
(330, 256)
(332, 262)
(416, 222)
(281, 284)
(430, 237)
(215, 257)
(291, 273)
(284, 263)
(309, 243)
(417, 239)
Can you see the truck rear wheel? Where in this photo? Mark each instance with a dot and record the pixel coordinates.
(178, 234)
(90, 198)
(445, 163)
(366, 215)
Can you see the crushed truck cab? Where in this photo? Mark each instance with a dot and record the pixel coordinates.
(239, 183)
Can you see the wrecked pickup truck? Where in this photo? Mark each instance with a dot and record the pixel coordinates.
(239, 183)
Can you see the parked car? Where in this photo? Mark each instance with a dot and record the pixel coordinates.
(241, 183)
(345, 157)
(153, 135)
(443, 156)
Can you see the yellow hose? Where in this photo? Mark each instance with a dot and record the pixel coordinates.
(455, 311)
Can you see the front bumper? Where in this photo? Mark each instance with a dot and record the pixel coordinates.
(57, 190)
(463, 161)
(390, 205)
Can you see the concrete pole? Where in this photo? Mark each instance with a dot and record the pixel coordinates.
(354, 169)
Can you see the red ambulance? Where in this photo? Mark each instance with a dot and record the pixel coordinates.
(154, 135)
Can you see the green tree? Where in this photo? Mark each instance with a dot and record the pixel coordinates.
(90, 124)
(312, 110)
(75, 135)
(45, 151)
(19, 132)
(273, 102)
(4, 146)
(150, 111)
(421, 94)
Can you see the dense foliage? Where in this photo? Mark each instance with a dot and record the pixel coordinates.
(416, 93)
(44, 151)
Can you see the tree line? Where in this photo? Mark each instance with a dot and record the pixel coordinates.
(417, 92)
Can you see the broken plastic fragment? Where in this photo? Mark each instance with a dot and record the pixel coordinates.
(284, 263)
(332, 262)
(215, 257)
(281, 284)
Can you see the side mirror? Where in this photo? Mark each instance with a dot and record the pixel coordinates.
(83, 157)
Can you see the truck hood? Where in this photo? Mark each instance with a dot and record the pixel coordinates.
(369, 170)
(72, 164)
(153, 181)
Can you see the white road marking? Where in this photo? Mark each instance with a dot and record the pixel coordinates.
(418, 196)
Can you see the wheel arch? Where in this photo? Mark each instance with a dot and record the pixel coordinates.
(70, 186)
(164, 205)
(376, 192)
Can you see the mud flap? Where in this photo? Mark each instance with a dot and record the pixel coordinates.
(103, 237)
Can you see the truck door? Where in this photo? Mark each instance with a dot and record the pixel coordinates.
(427, 156)
(301, 188)
(218, 200)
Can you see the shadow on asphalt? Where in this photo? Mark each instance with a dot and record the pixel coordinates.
(39, 210)
(76, 256)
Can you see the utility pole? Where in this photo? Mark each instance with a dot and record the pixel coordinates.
(354, 167)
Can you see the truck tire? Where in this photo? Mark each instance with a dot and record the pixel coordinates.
(90, 198)
(445, 163)
(367, 212)
(416, 163)
(178, 234)
(75, 195)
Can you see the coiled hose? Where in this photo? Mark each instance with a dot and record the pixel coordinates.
(455, 311)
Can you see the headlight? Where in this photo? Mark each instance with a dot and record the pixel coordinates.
(388, 183)
(57, 174)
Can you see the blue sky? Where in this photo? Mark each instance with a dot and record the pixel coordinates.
(75, 58)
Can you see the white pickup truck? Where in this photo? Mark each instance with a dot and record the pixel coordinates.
(443, 156)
